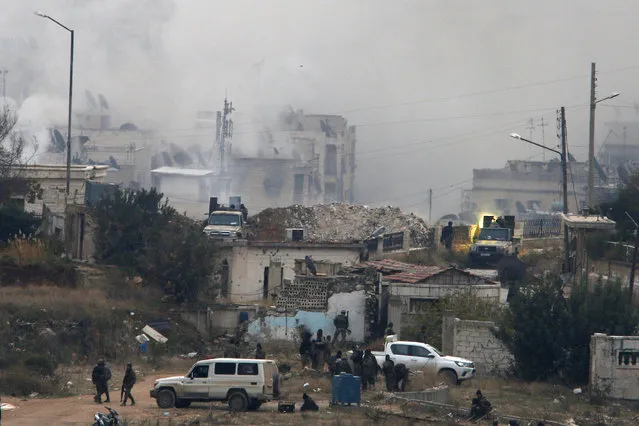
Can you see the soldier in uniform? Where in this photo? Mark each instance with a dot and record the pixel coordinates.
(480, 406)
(369, 370)
(341, 326)
(100, 377)
(401, 377)
(388, 368)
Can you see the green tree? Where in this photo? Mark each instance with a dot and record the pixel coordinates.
(140, 231)
(605, 308)
(535, 329)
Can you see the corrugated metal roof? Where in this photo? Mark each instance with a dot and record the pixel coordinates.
(587, 222)
(409, 273)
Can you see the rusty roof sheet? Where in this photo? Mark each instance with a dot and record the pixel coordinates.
(410, 273)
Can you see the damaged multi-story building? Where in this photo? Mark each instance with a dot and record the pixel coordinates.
(303, 159)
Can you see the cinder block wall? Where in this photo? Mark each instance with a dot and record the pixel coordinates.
(614, 366)
(476, 341)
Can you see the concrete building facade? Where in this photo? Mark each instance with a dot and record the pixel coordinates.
(256, 270)
(525, 186)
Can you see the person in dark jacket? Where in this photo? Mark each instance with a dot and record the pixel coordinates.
(480, 406)
(357, 358)
(259, 352)
(369, 370)
(309, 404)
(100, 377)
(332, 364)
(305, 349)
(127, 384)
(388, 368)
(401, 377)
(389, 330)
(447, 236)
(343, 366)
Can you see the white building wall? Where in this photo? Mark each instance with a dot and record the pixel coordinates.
(247, 263)
(614, 366)
(284, 327)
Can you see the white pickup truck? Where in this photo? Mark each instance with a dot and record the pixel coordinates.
(420, 356)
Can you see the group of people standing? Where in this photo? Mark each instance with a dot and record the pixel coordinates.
(101, 376)
(317, 353)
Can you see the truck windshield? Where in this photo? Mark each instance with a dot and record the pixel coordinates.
(224, 219)
(498, 234)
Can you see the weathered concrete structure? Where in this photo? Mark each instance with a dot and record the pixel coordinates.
(256, 270)
(476, 340)
(614, 366)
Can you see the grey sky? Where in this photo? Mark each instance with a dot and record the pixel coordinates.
(421, 61)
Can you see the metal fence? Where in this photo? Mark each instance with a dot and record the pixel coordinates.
(542, 227)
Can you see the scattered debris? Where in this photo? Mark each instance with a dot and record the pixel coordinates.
(5, 406)
(33, 394)
(576, 391)
(338, 223)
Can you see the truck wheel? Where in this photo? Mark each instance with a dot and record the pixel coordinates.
(182, 403)
(238, 402)
(254, 404)
(165, 398)
(448, 377)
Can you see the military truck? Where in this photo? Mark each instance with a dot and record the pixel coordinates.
(225, 222)
(495, 241)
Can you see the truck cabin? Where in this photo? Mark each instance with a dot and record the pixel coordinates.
(495, 234)
(226, 218)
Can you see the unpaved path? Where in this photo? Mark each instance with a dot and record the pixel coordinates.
(79, 410)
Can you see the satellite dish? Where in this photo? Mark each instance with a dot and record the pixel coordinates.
(93, 105)
(310, 266)
(103, 102)
(378, 232)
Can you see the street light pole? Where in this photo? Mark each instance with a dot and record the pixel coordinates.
(591, 133)
(68, 177)
(563, 155)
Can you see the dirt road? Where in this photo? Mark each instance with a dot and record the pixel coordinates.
(79, 410)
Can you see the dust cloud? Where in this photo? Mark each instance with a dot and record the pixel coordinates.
(435, 87)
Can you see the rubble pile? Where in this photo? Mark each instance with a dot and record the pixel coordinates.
(338, 223)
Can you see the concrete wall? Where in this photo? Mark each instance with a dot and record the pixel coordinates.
(474, 340)
(247, 263)
(614, 366)
(284, 327)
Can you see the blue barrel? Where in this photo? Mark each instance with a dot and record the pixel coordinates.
(243, 316)
(347, 389)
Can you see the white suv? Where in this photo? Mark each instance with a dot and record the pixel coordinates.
(243, 383)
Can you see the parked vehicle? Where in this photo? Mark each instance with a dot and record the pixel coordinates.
(111, 419)
(421, 356)
(243, 383)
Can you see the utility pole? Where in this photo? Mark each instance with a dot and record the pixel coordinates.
(591, 135)
(543, 138)
(224, 130)
(4, 82)
(631, 281)
(564, 184)
(430, 206)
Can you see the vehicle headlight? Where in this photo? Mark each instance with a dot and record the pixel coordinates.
(464, 364)
(473, 248)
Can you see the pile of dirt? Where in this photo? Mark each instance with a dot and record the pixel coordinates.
(338, 223)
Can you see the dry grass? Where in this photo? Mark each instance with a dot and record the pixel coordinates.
(25, 250)
(57, 299)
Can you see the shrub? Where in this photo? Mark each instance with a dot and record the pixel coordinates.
(41, 364)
